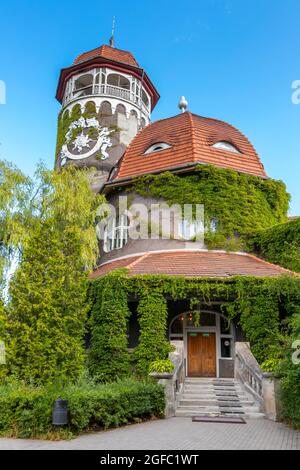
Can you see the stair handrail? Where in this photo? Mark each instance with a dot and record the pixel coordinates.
(248, 371)
(178, 372)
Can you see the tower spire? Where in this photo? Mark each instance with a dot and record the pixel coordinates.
(112, 38)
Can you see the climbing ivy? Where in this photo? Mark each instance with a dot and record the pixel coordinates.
(108, 357)
(153, 344)
(237, 204)
(260, 305)
(279, 244)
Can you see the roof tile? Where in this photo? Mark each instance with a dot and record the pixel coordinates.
(191, 138)
(212, 264)
(109, 53)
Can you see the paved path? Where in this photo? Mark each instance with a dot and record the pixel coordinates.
(176, 434)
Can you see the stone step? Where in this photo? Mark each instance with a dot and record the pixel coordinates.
(248, 414)
(211, 387)
(208, 402)
(193, 405)
(190, 413)
(211, 396)
(214, 389)
(224, 383)
(232, 396)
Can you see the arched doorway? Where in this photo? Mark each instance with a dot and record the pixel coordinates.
(208, 344)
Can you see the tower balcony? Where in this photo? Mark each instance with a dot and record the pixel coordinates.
(113, 85)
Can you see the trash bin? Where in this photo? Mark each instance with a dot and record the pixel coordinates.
(60, 412)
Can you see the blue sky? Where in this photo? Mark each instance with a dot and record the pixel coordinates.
(233, 60)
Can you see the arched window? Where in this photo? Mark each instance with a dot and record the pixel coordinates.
(143, 122)
(90, 107)
(120, 108)
(115, 233)
(145, 99)
(176, 328)
(157, 147)
(133, 113)
(223, 145)
(115, 79)
(190, 229)
(105, 108)
(83, 85)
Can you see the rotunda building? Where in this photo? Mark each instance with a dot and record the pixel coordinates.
(149, 172)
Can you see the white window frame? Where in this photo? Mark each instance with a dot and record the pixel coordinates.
(115, 233)
(152, 148)
(225, 145)
(187, 230)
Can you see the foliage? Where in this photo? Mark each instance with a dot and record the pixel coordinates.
(289, 372)
(26, 411)
(108, 357)
(239, 203)
(270, 365)
(161, 366)
(45, 316)
(279, 244)
(153, 344)
(259, 304)
(47, 309)
(13, 197)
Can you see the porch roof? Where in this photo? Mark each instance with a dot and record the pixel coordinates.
(194, 263)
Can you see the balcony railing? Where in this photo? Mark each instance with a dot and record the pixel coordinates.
(109, 90)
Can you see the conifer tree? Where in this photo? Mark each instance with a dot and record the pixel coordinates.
(45, 320)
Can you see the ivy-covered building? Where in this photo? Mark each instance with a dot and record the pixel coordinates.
(205, 293)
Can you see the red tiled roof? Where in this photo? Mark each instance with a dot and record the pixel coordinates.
(191, 138)
(108, 53)
(211, 264)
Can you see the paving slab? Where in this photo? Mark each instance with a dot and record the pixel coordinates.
(176, 434)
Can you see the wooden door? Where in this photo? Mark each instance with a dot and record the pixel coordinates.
(201, 354)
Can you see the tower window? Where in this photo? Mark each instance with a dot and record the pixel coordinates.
(118, 81)
(145, 99)
(116, 233)
(223, 145)
(157, 147)
(83, 85)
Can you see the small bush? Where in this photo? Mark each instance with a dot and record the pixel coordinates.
(26, 411)
(162, 366)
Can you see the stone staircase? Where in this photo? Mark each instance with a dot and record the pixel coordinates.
(212, 396)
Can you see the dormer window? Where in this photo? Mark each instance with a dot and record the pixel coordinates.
(223, 145)
(157, 147)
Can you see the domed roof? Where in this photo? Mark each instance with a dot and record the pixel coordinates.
(108, 52)
(190, 139)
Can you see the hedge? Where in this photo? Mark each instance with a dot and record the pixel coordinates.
(279, 244)
(26, 411)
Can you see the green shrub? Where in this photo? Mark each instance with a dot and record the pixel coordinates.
(290, 395)
(164, 365)
(279, 244)
(27, 411)
(108, 357)
(289, 373)
(270, 365)
(153, 344)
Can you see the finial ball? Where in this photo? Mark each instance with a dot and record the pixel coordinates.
(182, 104)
